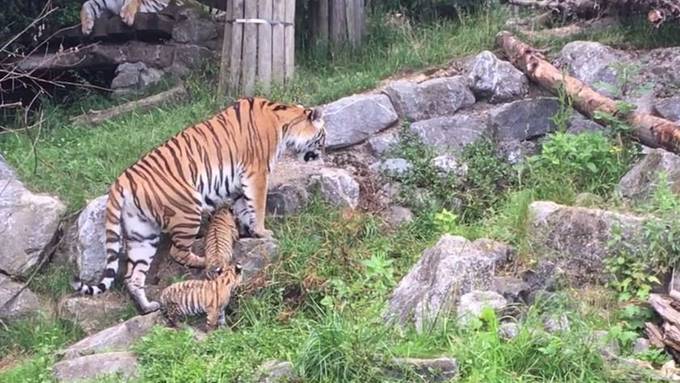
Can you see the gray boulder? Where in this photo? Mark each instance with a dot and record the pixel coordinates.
(495, 79)
(87, 240)
(194, 28)
(117, 338)
(28, 223)
(86, 368)
(556, 323)
(578, 123)
(514, 290)
(508, 330)
(448, 165)
(274, 371)
(441, 369)
(446, 271)
(134, 76)
(337, 187)
(16, 300)
(515, 151)
(393, 167)
(524, 119)
(398, 215)
(473, 303)
(353, 119)
(578, 239)
(641, 181)
(432, 98)
(383, 142)
(592, 63)
(93, 314)
(255, 254)
(286, 199)
(668, 108)
(452, 133)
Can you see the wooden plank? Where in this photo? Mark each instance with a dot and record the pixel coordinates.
(654, 334)
(278, 40)
(236, 49)
(360, 19)
(337, 26)
(324, 15)
(662, 305)
(264, 46)
(350, 20)
(225, 55)
(249, 65)
(289, 40)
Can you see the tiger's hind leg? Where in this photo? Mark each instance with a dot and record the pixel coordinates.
(129, 11)
(142, 238)
(183, 231)
(87, 17)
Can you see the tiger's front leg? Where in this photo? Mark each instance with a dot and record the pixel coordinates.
(129, 10)
(255, 191)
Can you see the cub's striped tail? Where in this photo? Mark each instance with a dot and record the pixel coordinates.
(114, 243)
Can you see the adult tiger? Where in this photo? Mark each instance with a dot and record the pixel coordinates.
(227, 156)
(127, 9)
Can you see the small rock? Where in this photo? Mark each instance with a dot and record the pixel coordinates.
(429, 370)
(276, 371)
(446, 271)
(515, 151)
(669, 108)
(447, 165)
(495, 79)
(473, 303)
(578, 123)
(641, 181)
(352, 120)
(514, 290)
(383, 142)
(134, 76)
(393, 167)
(28, 224)
(432, 98)
(554, 324)
(117, 338)
(508, 330)
(255, 254)
(286, 199)
(90, 367)
(640, 345)
(87, 239)
(524, 119)
(93, 313)
(608, 347)
(13, 306)
(337, 187)
(397, 215)
(452, 133)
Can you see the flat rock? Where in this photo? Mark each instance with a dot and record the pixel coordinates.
(452, 133)
(428, 370)
(14, 306)
(117, 338)
(643, 178)
(393, 167)
(449, 269)
(28, 223)
(497, 80)
(353, 119)
(85, 368)
(274, 371)
(524, 119)
(668, 108)
(382, 143)
(93, 314)
(592, 63)
(473, 303)
(255, 254)
(578, 239)
(432, 98)
(337, 187)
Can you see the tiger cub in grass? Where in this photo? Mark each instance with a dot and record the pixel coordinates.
(209, 296)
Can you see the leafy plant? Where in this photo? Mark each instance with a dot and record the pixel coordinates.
(446, 221)
(631, 277)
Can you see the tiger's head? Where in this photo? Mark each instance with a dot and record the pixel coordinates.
(304, 132)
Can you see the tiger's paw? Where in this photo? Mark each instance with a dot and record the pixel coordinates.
(127, 15)
(263, 233)
(86, 26)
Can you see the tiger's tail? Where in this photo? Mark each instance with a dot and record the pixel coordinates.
(114, 243)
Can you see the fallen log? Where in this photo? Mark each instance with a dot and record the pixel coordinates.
(96, 117)
(650, 130)
(654, 334)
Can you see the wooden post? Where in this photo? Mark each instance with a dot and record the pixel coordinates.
(337, 22)
(236, 47)
(323, 20)
(341, 21)
(278, 43)
(264, 45)
(249, 65)
(226, 51)
(289, 40)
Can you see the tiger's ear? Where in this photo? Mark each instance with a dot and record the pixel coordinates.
(315, 114)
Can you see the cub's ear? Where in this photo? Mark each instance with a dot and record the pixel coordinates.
(316, 114)
(238, 268)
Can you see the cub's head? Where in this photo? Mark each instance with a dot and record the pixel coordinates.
(303, 131)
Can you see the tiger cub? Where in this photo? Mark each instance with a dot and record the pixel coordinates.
(209, 296)
(228, 157)
(127, 9)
